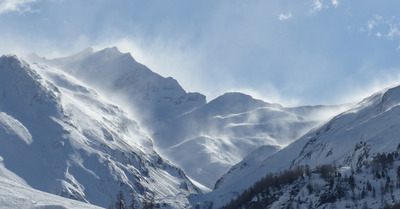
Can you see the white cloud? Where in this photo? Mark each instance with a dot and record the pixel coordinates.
(394, 31)
(15, 5)
(285, 16)
(387, 27)
(377, 20)
(317, 6)
(335, 3)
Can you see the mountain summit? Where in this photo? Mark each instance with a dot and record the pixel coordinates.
(117, 75)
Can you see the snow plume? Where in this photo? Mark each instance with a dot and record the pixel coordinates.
(362, 91)
(268, 93)
(168, 58)
(15, 5)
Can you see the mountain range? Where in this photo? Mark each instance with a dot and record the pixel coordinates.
(216, 135)
(353, 140)
(97, 124)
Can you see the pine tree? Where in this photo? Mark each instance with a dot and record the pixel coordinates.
(120, 204)
(352, 182)
(398, 172)
(132, 203)
(150, 203)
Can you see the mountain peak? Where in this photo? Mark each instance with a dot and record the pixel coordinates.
(110, 53)
(12, 60)
(13, 65)
(235, 97)
(235, 102)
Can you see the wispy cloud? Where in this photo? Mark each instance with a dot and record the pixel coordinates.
(377, 20)
(394, 31)
(15, 5)
(335, 3)
(316, 6)
(382, 26)
(319, 5)
(285, 16)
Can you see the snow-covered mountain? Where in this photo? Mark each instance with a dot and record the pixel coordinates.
(62, 137)
(151, 97)
(94, 120)
(222, 132)
(352, 139)
(216, 135)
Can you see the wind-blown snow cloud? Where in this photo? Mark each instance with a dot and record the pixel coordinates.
(15, 5)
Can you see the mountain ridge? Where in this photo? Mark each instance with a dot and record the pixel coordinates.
(91, 94)
(352, 138)
(62, 137)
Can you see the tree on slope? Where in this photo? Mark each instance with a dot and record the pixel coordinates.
(120, 203)
(149, 202)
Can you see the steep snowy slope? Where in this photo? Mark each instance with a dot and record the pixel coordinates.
(219, 134)
(117, 75)
(352, 138)
(16, 195)
(63, 138)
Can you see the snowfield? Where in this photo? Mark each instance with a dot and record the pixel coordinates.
(15, 195)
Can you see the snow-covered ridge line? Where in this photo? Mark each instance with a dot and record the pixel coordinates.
(351, 138)
(62, 137)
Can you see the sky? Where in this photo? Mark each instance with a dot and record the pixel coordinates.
(286, 51)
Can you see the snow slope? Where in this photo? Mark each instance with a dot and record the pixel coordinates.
(221, 133)
(15, 195)
(350, 139)
(152, 97)
(61, 137)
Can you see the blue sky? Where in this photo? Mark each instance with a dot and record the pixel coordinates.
(286, 51)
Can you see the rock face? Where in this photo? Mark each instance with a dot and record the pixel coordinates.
(62, 137)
